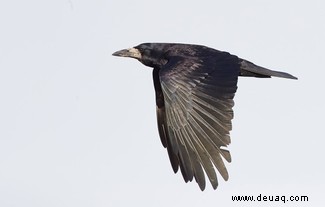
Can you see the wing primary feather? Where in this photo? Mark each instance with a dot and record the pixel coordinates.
(214, 155)
(226, 154)
(203, 156)
(199, 174)
(173, 158)
(203, 136)
(184, 156)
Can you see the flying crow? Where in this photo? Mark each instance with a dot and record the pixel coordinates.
(195, 86)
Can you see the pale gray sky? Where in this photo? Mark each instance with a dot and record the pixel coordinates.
(78, 126)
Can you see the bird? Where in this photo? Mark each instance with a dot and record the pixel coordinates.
(194, 89)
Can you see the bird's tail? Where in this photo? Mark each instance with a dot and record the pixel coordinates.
(250, 69)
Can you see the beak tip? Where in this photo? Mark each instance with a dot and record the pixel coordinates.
(117, 53)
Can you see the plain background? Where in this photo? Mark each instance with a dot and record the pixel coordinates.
(78, 126)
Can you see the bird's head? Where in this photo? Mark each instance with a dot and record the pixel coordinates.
(149, 54)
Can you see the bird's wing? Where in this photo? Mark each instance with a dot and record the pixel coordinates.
(194, 111)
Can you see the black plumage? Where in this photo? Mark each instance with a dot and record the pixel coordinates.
(195, 86)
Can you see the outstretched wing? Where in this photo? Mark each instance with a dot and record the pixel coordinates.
(194, 99)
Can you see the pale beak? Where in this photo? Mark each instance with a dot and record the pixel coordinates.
(131, 52)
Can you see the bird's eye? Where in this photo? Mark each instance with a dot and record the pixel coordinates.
(143, 51)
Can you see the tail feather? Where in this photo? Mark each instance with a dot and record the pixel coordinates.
(250, 69)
